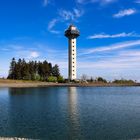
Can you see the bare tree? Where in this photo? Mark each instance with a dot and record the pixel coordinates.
(84, 77)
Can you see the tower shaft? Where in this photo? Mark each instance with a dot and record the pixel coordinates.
(72, 59)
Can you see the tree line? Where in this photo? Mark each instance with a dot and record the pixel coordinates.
(34, 70)
(85, 78)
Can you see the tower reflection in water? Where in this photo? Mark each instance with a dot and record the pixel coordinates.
(74, 113)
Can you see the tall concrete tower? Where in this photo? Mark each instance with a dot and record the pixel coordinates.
(72, 33)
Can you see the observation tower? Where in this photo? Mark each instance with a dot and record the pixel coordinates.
(72, 33)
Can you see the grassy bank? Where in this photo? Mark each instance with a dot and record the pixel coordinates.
(23, 83)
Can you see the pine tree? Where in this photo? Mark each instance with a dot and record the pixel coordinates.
(50, 69)
(46, 70)
(25, 71)
(18, 69)
(56, 71)
(39, 69)
(32, 71)
(12, 69)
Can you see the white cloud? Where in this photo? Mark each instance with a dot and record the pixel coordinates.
(77, 12)
(138, 1)
(120, 64)
(126, 12)
(107, 1)
(64, 15)
(101, 2)
(70, 15)
(27, 54)
(20, 51)
(112, 47)
(80, 1)
(121, 60)
(54, 31)
(103, 35)
(34, 54)
(131, 53)
(112, 65)
(51, 25)
(45, 2)
(5, 49)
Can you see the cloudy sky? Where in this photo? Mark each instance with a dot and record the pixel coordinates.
(109, 44)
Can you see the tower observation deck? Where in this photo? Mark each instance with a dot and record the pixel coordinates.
(72, 33)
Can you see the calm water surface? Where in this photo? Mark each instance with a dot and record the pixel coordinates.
(70, 113)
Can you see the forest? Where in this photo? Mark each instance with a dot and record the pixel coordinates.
(34, 70)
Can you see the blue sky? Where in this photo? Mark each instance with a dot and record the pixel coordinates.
(109, 44)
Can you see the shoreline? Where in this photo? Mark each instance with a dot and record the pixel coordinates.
(26, 84)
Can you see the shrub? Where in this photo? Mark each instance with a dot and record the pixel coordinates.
(52, 79)
(60, 79)
(100, 79)
(123, 81)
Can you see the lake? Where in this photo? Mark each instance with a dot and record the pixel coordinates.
(70, 113)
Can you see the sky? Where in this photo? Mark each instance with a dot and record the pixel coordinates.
(108, 45)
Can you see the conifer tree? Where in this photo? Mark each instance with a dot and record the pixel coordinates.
(18, 69)
(56, 71)
(12, 69)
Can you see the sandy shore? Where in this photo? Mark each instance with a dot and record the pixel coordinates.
(19, 84)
